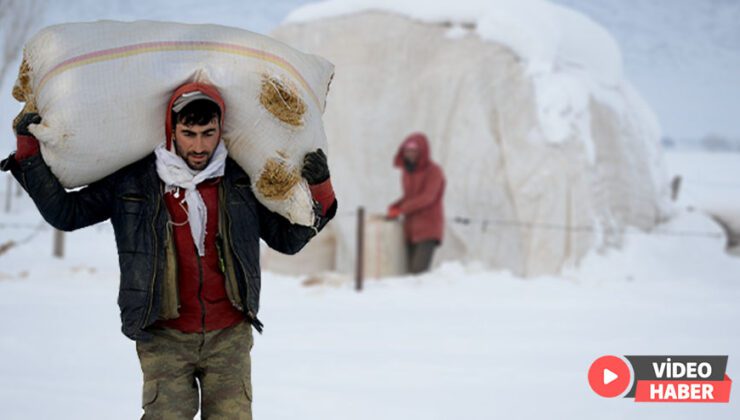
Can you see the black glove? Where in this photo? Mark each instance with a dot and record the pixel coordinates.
(27, 119)
(315, 169)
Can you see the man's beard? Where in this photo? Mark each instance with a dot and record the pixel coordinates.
(200, 165)
(196, 166)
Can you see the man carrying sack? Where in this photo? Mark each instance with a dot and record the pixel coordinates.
(187, 228)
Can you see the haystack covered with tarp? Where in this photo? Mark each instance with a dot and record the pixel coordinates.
(547, 150)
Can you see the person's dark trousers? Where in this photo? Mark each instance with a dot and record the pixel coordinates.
(420, 255)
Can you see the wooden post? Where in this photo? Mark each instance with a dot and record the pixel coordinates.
(359, 264)
(58, 243)
(675, 187)
(9, 193)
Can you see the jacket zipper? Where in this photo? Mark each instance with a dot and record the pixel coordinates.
(170, 239)
(257, 324)
(154, 271)
(227, 277)
(225, 222)
(200, 293)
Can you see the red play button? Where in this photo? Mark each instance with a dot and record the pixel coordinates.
(609, 376)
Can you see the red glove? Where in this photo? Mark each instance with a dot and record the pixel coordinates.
(393, 212)
(26, 143)
(27, 146)
(323, 193)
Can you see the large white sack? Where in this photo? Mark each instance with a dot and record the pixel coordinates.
(102, 89)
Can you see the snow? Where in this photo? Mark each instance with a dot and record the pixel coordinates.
(569, 57)
(457, 32)
(683, 55)
(708, 188)
(712, 191)
(542, 33)
(459, 342)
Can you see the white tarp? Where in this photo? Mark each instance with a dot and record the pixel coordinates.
(541, 167)
(102, 89)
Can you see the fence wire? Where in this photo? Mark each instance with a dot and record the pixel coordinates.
(490, 225)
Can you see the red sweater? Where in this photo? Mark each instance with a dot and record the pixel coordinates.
(204, 305)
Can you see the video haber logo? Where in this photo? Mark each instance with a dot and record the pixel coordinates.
(662, 378)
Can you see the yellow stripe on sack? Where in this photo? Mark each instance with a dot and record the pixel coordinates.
(153, 47)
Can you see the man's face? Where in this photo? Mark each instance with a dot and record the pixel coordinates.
(410, 154)
(195, 143)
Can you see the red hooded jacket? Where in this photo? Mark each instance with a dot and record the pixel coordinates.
(423, 191)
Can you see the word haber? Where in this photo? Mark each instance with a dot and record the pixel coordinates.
(684, 391)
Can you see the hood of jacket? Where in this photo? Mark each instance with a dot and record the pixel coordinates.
(420, 140)
(207, 89)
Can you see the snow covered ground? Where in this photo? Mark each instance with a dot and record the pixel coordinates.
(712, 189)
(457, 343)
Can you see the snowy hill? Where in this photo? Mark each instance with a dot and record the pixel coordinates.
(683, 55)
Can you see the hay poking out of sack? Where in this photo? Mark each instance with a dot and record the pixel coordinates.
(22, 88)
(282, 101)
(22, 91)
(277, 180)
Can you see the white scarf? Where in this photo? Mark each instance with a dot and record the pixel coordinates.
(175, 173)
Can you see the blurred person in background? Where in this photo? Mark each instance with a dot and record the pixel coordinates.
(421, 205)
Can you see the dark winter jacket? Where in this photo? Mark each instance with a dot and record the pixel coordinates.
(423, 191)
(133, 199)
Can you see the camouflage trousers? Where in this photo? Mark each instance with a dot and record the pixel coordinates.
(176, 365)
